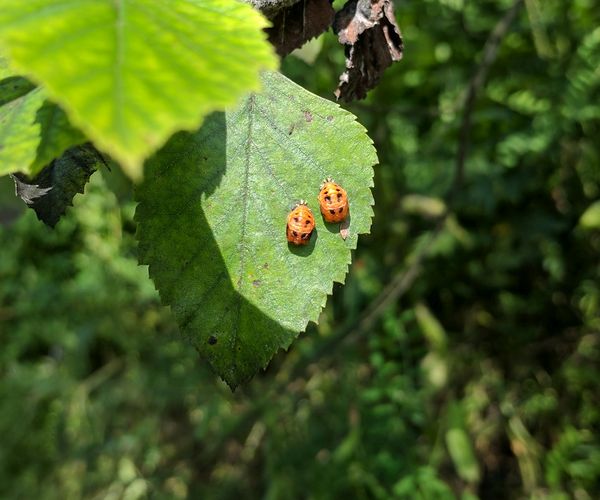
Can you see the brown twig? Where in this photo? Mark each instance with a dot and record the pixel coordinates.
(490, 52)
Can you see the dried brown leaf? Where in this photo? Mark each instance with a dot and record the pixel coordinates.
(345, 228)
(373, 41)
(298, 23)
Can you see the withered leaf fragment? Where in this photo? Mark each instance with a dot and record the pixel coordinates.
(298, 23)
(372, 40)
(51, 191)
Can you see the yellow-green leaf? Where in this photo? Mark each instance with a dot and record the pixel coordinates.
(129, 73)
(19, 132)
(33, 130)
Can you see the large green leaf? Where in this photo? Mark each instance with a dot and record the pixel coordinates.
(212, 218)
(131, 72)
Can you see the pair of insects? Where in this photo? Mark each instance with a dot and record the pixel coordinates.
(333, 201)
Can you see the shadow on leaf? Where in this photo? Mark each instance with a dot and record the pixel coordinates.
(305, 250)
(187, 264)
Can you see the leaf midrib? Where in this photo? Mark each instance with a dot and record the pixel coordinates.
(119, 61)
(242, 246)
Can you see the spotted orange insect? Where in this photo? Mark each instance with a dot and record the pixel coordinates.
(300, 224)
(333, 200)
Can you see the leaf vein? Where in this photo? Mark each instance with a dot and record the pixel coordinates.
(293, 146)
(242, 245)
(118, 70)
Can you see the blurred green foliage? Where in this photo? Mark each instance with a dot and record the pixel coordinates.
(481, 382)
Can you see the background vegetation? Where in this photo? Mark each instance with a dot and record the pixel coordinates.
(474, 375)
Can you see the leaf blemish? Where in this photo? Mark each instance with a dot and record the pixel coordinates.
(308, 116)
(256, 283)
(212, 340)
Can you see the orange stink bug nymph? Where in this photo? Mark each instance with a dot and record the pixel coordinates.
(300, 224)
(333, 200)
